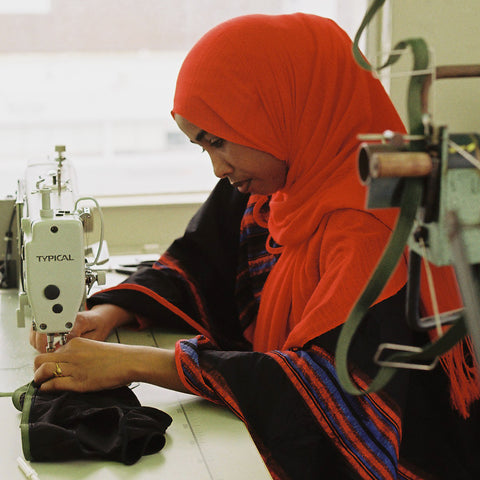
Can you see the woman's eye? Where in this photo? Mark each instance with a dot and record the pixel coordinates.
(213, 142)
(216, 142)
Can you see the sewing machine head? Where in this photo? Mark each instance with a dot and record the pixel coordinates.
(54, 272)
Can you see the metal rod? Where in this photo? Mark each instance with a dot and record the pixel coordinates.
(447, 71)
(466, 155)
(50, 342)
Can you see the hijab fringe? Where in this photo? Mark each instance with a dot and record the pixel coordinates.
(459, 365)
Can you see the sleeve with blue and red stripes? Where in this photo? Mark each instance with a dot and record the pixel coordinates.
(296, 411)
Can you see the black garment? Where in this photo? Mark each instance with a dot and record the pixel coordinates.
(211, 240)
(109, 425)
(435, 441)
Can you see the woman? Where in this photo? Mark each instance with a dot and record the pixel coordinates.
(269, 268)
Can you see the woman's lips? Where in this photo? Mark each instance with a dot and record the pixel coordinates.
(242, 186)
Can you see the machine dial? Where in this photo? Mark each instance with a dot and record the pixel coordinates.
(51, 292)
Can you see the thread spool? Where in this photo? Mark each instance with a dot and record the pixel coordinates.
(381, 161)
(400, 164)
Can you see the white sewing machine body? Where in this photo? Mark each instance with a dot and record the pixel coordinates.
(54, 271)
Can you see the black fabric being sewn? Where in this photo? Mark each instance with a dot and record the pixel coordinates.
(109, 425)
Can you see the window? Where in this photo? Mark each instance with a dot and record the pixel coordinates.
(99, 78)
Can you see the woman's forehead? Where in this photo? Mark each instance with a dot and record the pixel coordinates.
(187, 127)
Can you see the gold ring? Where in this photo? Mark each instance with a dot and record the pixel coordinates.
(58, 371)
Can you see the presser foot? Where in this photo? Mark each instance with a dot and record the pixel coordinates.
(51, 341)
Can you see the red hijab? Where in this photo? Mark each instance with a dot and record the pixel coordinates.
(288, 85)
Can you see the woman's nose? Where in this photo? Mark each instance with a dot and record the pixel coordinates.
(221, 168)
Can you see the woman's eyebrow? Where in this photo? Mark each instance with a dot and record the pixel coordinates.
(200, 135)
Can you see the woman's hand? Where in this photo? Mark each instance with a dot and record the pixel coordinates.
(87, 365)
(84, 365)
(95, 324)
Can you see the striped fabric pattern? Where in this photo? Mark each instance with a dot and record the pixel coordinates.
(166, 262)
(255, 263)
(365, 430)
(209, 386)
(303, 424)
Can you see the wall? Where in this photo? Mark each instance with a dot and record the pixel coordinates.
(451, 31)
(448, 27)
(129, 230)
(142, 229)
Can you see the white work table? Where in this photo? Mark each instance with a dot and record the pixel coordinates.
(204, 441)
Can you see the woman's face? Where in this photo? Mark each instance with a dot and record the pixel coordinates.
(247, 169)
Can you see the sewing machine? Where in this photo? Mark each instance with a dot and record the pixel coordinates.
(54, 272)
(433, 176)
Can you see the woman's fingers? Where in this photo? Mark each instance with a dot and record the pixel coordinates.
(83, 365)
(50, 370)
(55, 376)
(94, 324)
(38, 340)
